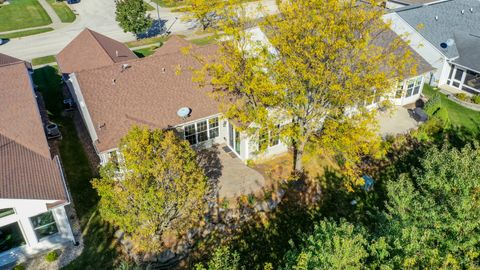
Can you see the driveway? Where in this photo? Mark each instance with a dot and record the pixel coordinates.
(234, 177)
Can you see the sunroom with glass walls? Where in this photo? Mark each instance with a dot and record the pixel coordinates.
(464, 79)
(408, 91)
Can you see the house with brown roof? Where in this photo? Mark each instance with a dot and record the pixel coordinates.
(155, 91)
(33, 192)
(112, 96)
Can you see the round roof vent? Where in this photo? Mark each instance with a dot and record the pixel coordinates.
(184, 112)
(449, 43)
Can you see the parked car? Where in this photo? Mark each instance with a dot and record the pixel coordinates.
(3, 41)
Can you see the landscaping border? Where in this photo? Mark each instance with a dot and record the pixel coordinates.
(471, 106)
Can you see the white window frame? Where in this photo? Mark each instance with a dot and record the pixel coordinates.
(208, 130)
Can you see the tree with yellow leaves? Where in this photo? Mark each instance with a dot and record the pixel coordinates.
(160, 192)
(331, 59)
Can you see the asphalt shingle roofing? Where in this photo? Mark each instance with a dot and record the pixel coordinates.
(27, 170)
(438, 22)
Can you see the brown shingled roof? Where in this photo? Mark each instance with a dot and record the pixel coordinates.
(149, 92)
(7, 60)
(174, 44)
(92, 50)
(388, 36)
(27, 170)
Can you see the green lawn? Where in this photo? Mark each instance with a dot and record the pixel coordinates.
(145, 52)
(21, 14)
(204, 41)
(44, 60)
(169, 3)
(27, 33)
(149, 6)
(146, 41)
(99, 251)
(63, 11)
(458, 115)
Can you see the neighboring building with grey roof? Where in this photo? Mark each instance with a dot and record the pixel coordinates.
(33, 192)
(393, 4)
(447, 35)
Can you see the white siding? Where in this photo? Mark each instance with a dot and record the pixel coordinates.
(24, 209)
(82, 106)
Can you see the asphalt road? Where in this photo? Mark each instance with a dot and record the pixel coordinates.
(98, 15)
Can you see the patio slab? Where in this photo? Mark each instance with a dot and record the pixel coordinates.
(395, 122)
(234, 177)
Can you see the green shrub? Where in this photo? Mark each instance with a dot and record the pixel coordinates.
(430, 129)
(51, 256)
(432, 104)
(462, 96)
(476, 99)
(19, 266)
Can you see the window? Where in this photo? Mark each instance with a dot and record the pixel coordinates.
(418, 83)
(201, 131)
(275, 136)
(10, 237)
(269, 138)
(44, 225)
(413, 86)
(213, 127)
(472, 80)
(6, 212)
(372, 99)
(190, 134)
(399, 90)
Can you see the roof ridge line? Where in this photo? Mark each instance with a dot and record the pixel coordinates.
(99, 43)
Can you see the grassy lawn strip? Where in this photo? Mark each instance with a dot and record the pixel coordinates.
(145, 52)
(43, 60)
(458, 115)
(63, 11)
(147, 41)
(204, 40)
(149, 6)
(27, 33)
(99, 251)
(21, 14)
(169, 4)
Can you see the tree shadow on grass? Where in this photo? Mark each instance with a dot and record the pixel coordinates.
(99, 252)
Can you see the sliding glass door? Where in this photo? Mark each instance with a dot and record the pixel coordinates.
(233, 138)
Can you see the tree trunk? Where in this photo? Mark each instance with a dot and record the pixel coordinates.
(298, 151)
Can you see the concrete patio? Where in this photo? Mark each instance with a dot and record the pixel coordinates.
(234, 177)
(396, 121)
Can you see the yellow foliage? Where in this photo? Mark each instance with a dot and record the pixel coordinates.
(329, 63)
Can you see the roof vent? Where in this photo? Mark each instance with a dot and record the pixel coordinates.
(125, 66)
(463, 11)
(114, 81)
(184, 112)
(163, 70)
(471, 9)
(116, 53)
(447, 44)
(436, 18)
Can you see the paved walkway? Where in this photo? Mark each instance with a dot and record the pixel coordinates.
(234, 177)
(55, 19)
(395, 122)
